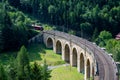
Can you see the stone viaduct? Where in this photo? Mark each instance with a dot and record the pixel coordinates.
(89, 59)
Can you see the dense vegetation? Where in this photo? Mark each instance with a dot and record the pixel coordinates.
(13, 30)
(85, 17)
(38, 53)
(20, 69)
(112, 45)
(79, 15)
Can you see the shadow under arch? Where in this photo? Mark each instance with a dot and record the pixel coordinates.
(58, 47)
(67, 53)
(49, 43)
(74, 57)
(93, 72)
(82, 63)
(88, 69)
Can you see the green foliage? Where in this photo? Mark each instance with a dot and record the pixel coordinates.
(40, 72)
(45, 71)
(86, 27)
(1, 41)
(20, 69)
(113, 46)
(35, 7)
(88, 14)
(7, 32)
(3, 74)
(72, 32)
(48, 27)
(116, 54)
(103, 37)
(95, 34)
(23, 69)
(13, 28)
(100, 14)
(12, 69)
(36, 73)
(51, 9)
(15, 3)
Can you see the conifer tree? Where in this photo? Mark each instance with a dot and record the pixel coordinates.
(45, 71)
(12, 73)
(23, 68)
(36, 72)
(3, 74)
(95, 34)
(1, 41)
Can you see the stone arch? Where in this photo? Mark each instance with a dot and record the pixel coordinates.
(58, 47)
(88, 69)
(67, 53)
(74, 57)
(82, 63)
(49, 43)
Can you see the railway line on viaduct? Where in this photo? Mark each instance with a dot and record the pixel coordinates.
(89, 58)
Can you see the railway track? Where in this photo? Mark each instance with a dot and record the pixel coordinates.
(106, 65)
(109, 66)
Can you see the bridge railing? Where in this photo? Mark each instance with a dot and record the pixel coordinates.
(76, 40)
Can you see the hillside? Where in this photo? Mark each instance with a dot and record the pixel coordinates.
(79, 15)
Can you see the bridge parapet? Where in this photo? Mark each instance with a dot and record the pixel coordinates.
(104, 65)
(77, 41)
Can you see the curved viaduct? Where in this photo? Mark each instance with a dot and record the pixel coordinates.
(89, 59)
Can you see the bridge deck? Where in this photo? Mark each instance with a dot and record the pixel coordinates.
(106, 65)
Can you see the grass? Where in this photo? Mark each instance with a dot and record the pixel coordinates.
(66, 73)
(37, 52)
(52, 58)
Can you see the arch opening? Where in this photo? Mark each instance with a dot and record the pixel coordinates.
(88, 69)
(58, 47)
(93, 72)
(74, 57)
(49, 43)
(82, 69)
(67, 53)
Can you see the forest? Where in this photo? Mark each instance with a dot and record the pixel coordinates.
(79, 15)
(13, 30)
(84, 17)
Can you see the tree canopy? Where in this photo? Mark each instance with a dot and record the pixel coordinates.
(14, 31)
(72, 14)
(21, 69)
